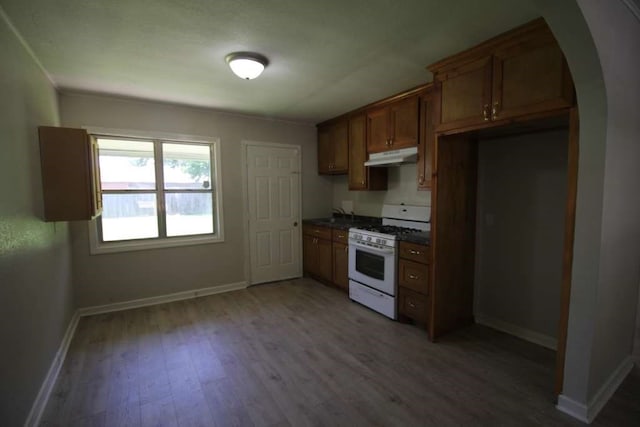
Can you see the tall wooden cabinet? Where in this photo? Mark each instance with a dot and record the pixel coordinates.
(429, 118)
(519, 73)
(317, 251)
(70, 174)
(362, 177)
(333, 148)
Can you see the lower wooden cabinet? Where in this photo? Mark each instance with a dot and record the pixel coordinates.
(325, 254)
(414, 282)
(317, 257)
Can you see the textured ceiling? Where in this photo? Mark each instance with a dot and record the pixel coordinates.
(326, 56)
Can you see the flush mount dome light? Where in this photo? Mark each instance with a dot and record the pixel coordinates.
(246, 65)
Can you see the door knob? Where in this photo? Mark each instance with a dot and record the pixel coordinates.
(295, 224)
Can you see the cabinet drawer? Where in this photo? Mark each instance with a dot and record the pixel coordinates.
(341, 236)
(414, 276)
(413, 305)
(317, 231)
(414, 252)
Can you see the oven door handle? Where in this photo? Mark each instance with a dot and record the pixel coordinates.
(370, 249)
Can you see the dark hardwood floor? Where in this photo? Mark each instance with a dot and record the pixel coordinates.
(298, 353)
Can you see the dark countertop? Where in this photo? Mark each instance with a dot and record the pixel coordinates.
(419, 237)
(342, 223)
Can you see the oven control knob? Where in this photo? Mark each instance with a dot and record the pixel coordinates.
(369, 238)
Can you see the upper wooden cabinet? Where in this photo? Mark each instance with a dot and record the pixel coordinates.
(333, 148)
(70, 174)
(393, 126)
(429, 117)
(362, 177)
(522, 72)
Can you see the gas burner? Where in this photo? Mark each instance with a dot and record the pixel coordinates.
(392, 230)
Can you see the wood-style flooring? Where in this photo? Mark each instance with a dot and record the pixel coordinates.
(298, 353)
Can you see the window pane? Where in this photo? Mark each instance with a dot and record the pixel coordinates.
(186, 166)
(189, 213)
(129, 216)
(126, 164)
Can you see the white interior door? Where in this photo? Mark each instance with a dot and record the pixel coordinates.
(273, 191)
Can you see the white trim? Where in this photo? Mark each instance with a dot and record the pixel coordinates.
(26, 46)
(42, 398)
(96, 247)
(245, 203)
(570, 407)
(587, 413)
(633, 7)
(161, 299)
(518, 331)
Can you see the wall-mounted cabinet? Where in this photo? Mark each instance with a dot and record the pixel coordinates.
(70, 174)
(429, 117)
(362, 177)
(333, 148)
(520, 73)
(393, 126)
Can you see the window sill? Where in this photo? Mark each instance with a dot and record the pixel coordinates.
(97, 248)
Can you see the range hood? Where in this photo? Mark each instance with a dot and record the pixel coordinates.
(393, 158)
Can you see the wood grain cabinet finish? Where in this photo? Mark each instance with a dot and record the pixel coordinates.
(520, 73)
(341, 258)
(317, 252)
(414, 281)
(333, 148)
(393, 126)
(70, 174)
(429, 117)
(362, 177)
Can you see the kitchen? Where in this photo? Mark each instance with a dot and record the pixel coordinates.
(79, 109)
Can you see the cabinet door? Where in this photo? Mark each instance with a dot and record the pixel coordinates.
(466, 94)
(309, 254)
(530, 76)
(324, 258)
(341, 265)
(325, 150)
(340, 142)
(70, 178)
(378, 130)
(360, 176)
(403, 123)
(429, 115)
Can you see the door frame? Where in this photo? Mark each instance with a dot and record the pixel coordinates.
(245, 144)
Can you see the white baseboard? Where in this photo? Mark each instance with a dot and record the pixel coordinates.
(161, 299)
(52, 375)
(587, 413)
(518, 331)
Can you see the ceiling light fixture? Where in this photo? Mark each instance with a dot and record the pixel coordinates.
(246, 65)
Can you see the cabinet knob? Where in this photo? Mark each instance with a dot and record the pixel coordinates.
(421, 180)
(346, 248)
(485, 112)
(413, 252)
(494, 110)
(412, 305)
(413, 277)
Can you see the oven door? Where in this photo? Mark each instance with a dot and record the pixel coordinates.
(373, 267)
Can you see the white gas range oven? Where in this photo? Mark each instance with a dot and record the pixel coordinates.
(373, 256)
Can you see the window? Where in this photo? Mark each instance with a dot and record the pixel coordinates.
(157, 193)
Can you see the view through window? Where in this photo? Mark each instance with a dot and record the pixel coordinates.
(154, 189)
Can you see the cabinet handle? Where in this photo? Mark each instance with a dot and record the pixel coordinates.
(412, 305)
(413, 277)
(391, 141)
(494, 110)
(362, 182)
(412, 252)
(485, 112)
(346, 248)
(421, 180)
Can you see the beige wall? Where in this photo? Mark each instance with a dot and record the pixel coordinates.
(108, 278)
(522, 184)
(35, 265)
(402, 188)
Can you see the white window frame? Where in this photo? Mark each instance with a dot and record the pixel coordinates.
(96, 246)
